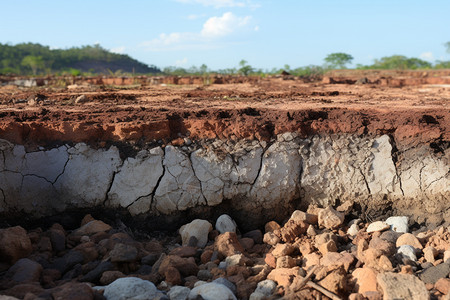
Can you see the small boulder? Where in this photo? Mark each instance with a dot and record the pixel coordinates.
(398, 223)
(299, 215)
(14, 244)
(130, 288)
(225, 223)
(402, 286)
(377, 226)
(227, 244)
(178, 293)
(408, 239)
(212, 291)
(364, 279)
(408, 252)
(198, 229)
(433, 274)
(123, 253)
(25, 270)
(330, 218)
(443, 285)
(92, 227)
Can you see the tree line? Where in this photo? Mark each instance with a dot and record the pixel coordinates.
(33, 59)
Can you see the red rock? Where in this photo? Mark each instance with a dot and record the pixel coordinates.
(283, 276)
(110, 276)
(356, 296)
(172, 276)
(271, 226)
(270, 260)
(20, 290)
(386, 247)
(305, 248)
(186, 266)
(14, 244)
(286, 262)
(206, 256)
(327, 247)
(365, 279)
(299, 215)
(238, 270)
(86, 219)
(184, 251)
(247, 243)
(283, 250)
(228, 244)
(443, 285)
(293, 229)
(89, 251)
(330, 218)
(338, 259)
(92, 227)
(271, 238)
(335, 281)
(73, 291)
(311, 259)
(408, 239)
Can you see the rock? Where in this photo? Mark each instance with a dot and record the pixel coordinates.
(365, 279)
(247, 243)
(266, 287)
(408, 239)
(329, 246)
(344, 259)
(226, 283)
(390, 236)
(401, 286)
(58, 240)
(20, 290)
(110, 276)
(271, 238)
(198, 229)
(172, 276)
(353, 230)
(283, 276)
(446, 255)
(257, 296)
(271, 226)
(299, 215)
(330, 218)
(270, 260)
(429, 253)
(398, 224)
(123, 253)
(14, 244)
(408, 252)
(73, 291)
(212, 291)
(286, 262)
(384, 263)
(384, 246)
(227, 244)
(96, 274)
(443, 285)
(81, 99)
(68, 261)
(184, 251)
(433, 274)
(377, 226)
(25, 270)
(236, 260)
(292, 229)
(92, 227)
(283, 250)
(225, 223)
(311, 259)
(130, 288)
(178, 293)
(186, 266)
(311, 231)
(335, 281)
(324, 237)
(256, 235)
(204, 275)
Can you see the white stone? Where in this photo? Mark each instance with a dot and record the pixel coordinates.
(178, 189)
(130, 288)
(225, 223)
(257, 296)
(278, 179)
(87, 175)
(137, 178)
(266, 287)
(408, 252)
(398, 224)
(212, 291)
(353, 230)
(233, 260)
(178, 293)
(377, 226)
(197, 228)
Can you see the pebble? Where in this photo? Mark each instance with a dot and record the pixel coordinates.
(330, 218)
(401, 286)
(212, 291)
(377, 226)
(178, 292)
(408, 239)
(398, 223)
(353, 230)
(130, 288)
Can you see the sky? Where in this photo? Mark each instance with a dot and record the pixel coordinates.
(220, 33)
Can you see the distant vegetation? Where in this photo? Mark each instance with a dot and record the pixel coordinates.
(33, 59)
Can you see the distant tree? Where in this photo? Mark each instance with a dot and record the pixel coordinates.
(447, 45)
(33, 62)
(203, 69)
(244, 69)
(338, 60)
(400, 62)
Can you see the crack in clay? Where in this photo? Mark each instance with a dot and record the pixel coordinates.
(4, 197)
(195, 175)
(394, 156)
(64, 169)
(420, 178)
(110, 186)
(260, 164)
(365, 181)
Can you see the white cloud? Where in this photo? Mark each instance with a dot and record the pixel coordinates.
(119, 50)
(224, 25)
(213, 29)
(221, 3)
(256, 28)
(195, 17)
(427, 56)
(181, 62)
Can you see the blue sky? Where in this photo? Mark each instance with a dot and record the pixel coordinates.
(219, 33)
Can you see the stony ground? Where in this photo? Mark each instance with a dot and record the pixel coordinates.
(318, 254)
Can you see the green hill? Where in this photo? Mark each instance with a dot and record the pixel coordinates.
(33, 59)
